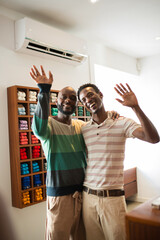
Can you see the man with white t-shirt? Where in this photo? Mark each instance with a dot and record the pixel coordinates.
(104, 204)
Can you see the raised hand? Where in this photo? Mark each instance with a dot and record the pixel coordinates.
(128, 96)
(41, 77)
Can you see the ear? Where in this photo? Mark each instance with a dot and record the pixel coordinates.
(101, 95)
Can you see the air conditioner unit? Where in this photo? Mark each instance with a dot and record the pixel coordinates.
(33, 37)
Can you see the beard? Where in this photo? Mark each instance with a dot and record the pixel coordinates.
(60, 108)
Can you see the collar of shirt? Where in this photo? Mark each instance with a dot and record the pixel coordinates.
(107, 121)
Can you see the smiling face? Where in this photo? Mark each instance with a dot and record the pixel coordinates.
(66, 102)
(91, 100)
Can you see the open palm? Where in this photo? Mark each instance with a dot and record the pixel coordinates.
(128, 96)
(41, 77)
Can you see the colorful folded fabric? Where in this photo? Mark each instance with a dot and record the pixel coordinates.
(33, 96)
(53, 97)
(34, 142)
(26, 183)
(21, 96)
(21, 110)
(26, 198)
(38, 194)
(32, 108)
(23, 138)
(37, 181)
(45, 166)
(23, 153)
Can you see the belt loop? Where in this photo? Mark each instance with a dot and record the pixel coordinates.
(103, 193)
(107, 193)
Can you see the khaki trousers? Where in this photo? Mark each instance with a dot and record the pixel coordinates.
(64, 218)
(104, 217)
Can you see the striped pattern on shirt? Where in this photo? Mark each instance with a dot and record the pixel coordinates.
(64, 149)
(106, 146)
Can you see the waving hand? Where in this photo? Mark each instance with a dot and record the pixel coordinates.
(41, 77)
(128, 96)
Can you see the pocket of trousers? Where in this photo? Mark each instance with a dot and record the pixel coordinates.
(52, 202)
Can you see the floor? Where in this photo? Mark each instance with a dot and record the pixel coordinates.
(131, 205)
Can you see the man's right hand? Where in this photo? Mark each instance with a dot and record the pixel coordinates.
(41, 77)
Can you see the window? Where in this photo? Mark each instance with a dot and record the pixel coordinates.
(106, 79)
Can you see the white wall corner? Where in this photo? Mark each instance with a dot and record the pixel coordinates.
(138, 65)
(101, 55)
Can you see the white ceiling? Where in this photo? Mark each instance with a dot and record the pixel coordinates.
(129, 26)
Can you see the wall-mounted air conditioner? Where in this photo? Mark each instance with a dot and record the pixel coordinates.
(33, 37)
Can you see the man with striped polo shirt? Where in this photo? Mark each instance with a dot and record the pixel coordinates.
(104, 204)
(64, 148)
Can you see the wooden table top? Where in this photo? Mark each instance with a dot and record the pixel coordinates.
(145, 213)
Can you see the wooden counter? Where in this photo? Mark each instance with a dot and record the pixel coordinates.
(143, 223)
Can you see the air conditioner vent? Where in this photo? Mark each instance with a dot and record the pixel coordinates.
(52, 44)
(31, 44)
(54, 52)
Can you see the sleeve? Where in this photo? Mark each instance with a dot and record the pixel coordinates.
(40, 124)
(130, 125)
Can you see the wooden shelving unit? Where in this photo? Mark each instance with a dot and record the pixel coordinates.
(28, 185)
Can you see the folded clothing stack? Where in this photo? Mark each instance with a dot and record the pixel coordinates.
(33, 96)
(23, 125)
(80, 111)
(21, 96)
(21, 109)
(23, 138)
(54, 111)
(38, 194)
(36, 152)
(53, 97)
(31, 120)
(24, 168)
(37, 181)
(88, 113)
(26, 183)
(32, 108)
(23, 153)
(34, 139)
(26, 198)
(45, 166)
(35, 167)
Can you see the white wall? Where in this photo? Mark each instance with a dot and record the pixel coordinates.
(145, 155)
(105, 56)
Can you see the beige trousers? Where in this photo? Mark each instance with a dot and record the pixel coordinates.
(104, 217)
(64, 218)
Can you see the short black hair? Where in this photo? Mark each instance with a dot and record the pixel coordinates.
(85, 86)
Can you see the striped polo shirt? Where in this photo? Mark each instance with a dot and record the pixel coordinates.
(106, 148)
(64, 149)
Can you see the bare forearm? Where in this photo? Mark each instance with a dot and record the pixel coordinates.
(149, 132)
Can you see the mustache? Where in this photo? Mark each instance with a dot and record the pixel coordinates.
(60, 108)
